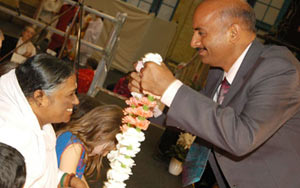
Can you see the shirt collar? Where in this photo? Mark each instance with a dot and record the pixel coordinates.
(230, 75)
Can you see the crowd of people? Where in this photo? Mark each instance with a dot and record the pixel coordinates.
(245, 118)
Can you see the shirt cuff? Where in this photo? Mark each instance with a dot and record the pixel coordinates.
(169, 94)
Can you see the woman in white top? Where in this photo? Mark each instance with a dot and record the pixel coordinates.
(35, 94)
(26, 50)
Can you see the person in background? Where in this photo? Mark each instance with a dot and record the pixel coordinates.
(26, 50)
(121, 86)
(82, 143)
(1, 38)
(64, 22)
(6, 66)
(37, 93)
(87, 103)
(86, 75)
(92, 30)
(12, 167)
(247, 116)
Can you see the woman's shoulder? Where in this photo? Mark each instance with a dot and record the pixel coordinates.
(69, 137)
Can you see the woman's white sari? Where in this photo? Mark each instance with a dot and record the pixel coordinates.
(19, 128)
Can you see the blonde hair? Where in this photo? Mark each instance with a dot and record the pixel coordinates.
(97, 127)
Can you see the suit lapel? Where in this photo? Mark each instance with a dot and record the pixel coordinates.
(249, 64)
(214, 79)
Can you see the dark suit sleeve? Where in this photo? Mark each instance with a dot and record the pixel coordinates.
(270, 97)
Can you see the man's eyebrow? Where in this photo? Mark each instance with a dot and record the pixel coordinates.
(196, 29)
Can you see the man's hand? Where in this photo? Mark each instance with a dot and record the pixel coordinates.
(135, 82)
(155, 78)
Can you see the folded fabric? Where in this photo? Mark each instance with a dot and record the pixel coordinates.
(194, 164)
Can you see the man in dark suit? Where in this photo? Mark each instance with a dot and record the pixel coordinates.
(255, 131)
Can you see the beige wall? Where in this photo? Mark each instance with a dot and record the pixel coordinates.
(180, 50)
(140, 34)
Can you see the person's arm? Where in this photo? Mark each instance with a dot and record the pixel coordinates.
(267, 100)
(70, 180)
(70, 158)
(69, 161)
(84, 180)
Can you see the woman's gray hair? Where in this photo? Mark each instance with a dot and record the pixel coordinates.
(42, 72)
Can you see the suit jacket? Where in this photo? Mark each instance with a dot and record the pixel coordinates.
(256, 131)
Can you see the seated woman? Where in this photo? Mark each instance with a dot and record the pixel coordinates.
(25, 47)
(83, 142)
(35, 94)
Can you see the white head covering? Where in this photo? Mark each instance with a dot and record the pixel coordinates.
(19, 128)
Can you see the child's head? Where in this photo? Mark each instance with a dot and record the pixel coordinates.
(92, 63)
(12, 167)
(97, 130)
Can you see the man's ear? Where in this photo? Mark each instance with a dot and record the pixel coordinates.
(40, 98)
(234, 33)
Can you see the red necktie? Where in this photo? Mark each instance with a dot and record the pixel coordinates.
(223, 91)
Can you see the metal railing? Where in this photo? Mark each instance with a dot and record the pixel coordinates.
(108, 51)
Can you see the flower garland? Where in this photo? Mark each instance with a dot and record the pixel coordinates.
(129, 141)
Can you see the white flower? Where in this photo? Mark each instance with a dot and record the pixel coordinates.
(129, 151)
(127, 140)
(112, 154)
(114, 184)
(153, 57)
(129, 143)
(117, 175)
(123, 159)
(118, 166)
(132, 132)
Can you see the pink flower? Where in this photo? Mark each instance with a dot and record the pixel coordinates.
(147, 102)
(139, 122)
(124, 128)
(132, 101)
(142, 124)
(140, 111)
(129, 111)
(129, 119)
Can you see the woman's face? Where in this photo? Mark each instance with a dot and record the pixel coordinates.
(62, 101)
(28, 33)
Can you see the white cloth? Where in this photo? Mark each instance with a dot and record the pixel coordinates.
(18, 56)
(19, 128)
(169, 94)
